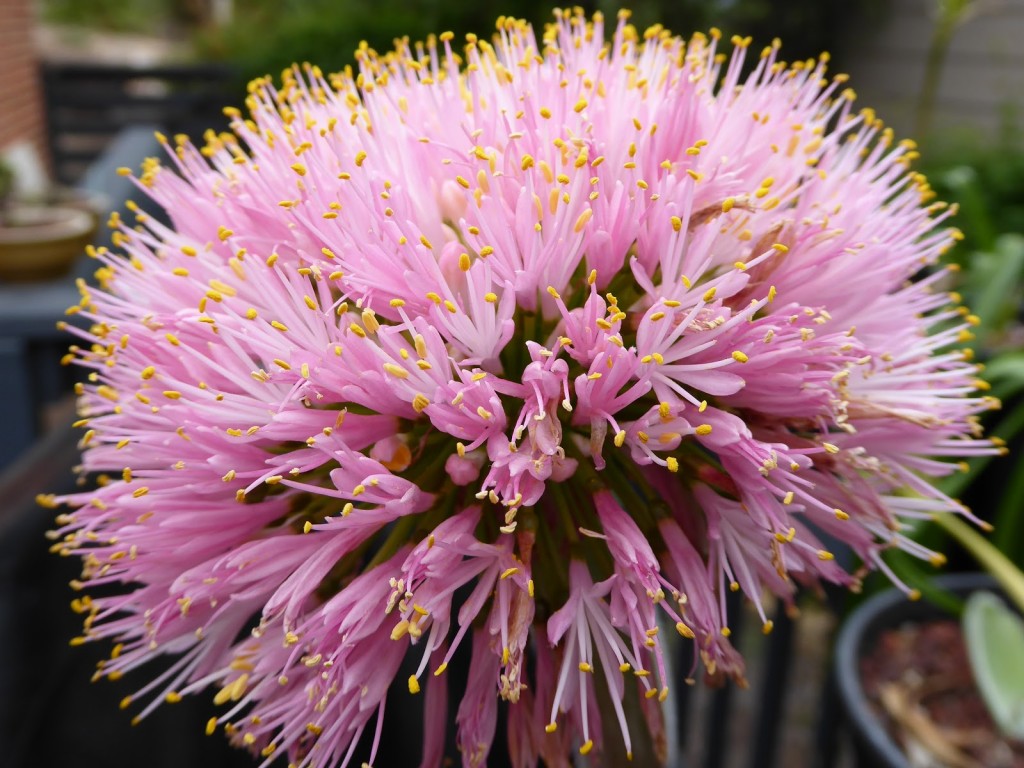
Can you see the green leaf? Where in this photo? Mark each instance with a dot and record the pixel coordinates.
(995, 282)
(1006, 370)
(1008, 520)
(995, 645)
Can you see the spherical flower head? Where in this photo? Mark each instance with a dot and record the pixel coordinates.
(537, 347)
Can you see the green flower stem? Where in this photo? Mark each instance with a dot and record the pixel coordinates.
(988, 556)
(951, 14)
(399, 534)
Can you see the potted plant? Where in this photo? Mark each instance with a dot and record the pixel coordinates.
(40, 240)
(921, 688)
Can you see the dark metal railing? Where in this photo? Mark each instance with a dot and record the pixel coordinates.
(88, 104)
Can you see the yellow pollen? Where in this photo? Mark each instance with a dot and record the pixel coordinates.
(703, 429)
(739, 357)
(582, 220)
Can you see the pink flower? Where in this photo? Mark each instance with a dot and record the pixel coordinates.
(550, 343)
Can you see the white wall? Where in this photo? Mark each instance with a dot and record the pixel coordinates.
(982, 79)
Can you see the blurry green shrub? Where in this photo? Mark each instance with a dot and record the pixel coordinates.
(986, 180)
(141, 16)
(268, 35)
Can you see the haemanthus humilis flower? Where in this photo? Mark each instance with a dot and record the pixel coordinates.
(588, 332)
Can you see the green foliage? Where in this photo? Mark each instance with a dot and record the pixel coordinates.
(147, 16)
(268, 36)
(995, 645)
(988, 184)
(986, 181)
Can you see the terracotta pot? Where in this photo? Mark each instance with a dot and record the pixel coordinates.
(41, 243)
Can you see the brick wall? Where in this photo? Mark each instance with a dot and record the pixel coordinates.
(21, 102)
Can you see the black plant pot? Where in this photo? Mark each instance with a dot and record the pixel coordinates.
(857, 637)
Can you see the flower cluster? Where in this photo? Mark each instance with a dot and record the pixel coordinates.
(533, 348)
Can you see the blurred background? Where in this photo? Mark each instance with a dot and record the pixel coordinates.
(86, 82)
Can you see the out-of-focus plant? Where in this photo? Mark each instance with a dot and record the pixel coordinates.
(995, 646)
(265, 36)
(6, 188)
(950, 14)
(989, 188)
(987, 183)
(146, 16)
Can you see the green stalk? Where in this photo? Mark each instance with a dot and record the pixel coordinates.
(399, 534)
(1003, 569)
(951, 14)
